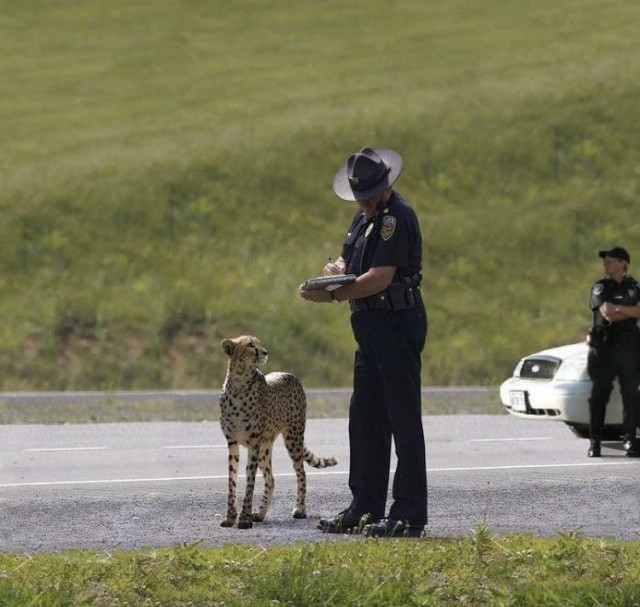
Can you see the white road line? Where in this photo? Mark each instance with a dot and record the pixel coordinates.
(170, 479)
(113, 481)
(195, 447)
(186, 447)
(62, 449)
(49, 449)
(511, 440)
(535, 466)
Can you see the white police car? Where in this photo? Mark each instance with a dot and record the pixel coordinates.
(554, 385)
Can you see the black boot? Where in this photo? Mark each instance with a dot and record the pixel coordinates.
(594, 449)
(634, 449)
(392, 528)
(346, 521)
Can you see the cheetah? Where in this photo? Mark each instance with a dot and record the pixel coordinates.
(254, 409)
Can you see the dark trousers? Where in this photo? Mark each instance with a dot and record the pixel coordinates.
(387, 404)
(618, 356)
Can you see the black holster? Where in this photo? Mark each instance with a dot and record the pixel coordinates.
(399, 295)
(597, 336)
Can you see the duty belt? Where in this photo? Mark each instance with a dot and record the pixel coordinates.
(395, 298)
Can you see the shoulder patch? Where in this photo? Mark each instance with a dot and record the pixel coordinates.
(598, 288)
(388, 227)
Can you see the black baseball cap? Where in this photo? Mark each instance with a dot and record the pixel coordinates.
(617, 253)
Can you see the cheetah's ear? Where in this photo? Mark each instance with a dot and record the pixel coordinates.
(228, 346)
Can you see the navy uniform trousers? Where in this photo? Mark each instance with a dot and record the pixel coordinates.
(617, 357)
(387, 403)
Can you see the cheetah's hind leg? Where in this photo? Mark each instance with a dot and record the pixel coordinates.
(295, 447)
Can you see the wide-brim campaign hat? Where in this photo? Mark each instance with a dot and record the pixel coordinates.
(617, 253)
(367, 173)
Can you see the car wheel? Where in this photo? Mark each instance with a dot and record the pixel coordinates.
(609, 433)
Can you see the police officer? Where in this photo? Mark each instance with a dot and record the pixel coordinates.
(383, 248)
(614, 351)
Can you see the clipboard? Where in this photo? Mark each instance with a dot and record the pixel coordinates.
(330, 283)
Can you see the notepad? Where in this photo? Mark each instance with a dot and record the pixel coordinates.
(330, 283)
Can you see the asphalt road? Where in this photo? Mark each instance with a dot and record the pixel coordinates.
(124, 486)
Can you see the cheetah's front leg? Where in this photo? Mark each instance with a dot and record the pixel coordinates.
(232, 500)
(269, 483)
(253, 456)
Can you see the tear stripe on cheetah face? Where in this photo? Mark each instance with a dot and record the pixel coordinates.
(254, 409)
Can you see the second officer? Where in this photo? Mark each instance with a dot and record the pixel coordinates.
(614, 350)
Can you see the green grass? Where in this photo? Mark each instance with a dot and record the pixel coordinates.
(480, 569)
(166, 178)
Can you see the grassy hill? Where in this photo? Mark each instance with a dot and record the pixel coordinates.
(166, 178)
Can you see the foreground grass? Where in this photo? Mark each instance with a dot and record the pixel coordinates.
(166, 177)
(477, 570)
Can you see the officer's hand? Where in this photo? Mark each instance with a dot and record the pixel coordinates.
(317, 295)
(334, 268)
(608, 310)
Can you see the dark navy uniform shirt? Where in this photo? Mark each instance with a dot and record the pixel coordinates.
(391, 238)
(625, 293)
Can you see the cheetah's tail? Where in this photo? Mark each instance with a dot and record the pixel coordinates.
(318, 462)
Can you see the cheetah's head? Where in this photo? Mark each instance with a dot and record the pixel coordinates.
(246, 348)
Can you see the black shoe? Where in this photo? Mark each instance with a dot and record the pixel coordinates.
(634, 449)
(594, 449)
(391, 528)
(347, 521)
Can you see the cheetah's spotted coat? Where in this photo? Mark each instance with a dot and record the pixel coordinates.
(254, 410)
